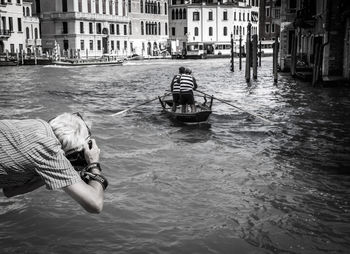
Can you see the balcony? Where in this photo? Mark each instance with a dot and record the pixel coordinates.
(86, 16)
(5, 33)
(33, 42)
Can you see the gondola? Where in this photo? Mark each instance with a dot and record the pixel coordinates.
(203, 110)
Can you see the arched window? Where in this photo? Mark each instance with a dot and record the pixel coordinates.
(173, 14)
(177, 14)
(110, 7)
(210, 31)
(130, 28)
(196, 31)
(36, 34)
(142, 28)
(116, 7)
(104, 6)
(27, 33)
(180, 14)
(24, 11)
(166, 28)
(165, 9)
(159, 28)
(184, 15)
(141, 6)
(158, 7)
(155, 28)
(225, 31)
(28, 12)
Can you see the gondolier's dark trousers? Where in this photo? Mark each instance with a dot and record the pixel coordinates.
(186, 98)
(176, 98)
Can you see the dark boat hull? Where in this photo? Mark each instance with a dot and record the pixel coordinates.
(201, 115)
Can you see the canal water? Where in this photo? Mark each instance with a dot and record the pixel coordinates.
(236, 184)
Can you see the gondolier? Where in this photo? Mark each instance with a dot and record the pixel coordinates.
(187, 84)
(175, 88)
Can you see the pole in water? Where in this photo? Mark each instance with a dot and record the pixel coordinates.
(255, 56)
(275, 56)
(240, 51)
(247, 59)
(260, 53)
(232, 56)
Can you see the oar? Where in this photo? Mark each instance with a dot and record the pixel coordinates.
(223, 101)
(143, 103)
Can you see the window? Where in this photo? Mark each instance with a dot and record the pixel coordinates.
(267, 28)
(272, 28)
(159, 28)
(141, 6)
(82, 45)
(27, 33)
(10, 24)
(165, 9)
(210, 31)
(129, 5)
(99, 45)
(225, 31)
(65, 44)
(125, 30)
(118, 31)
(196, 16)
(36, 33)
(277, 13)
(124, 8)
(89, 6)
(248, 17)
(80, 6)
(111, 28)
(243, 16)
(225, 15)
(234, 15)
(142, 28)
(64, 6)
(65, 27)
(130, 28)
(116, 7)
(166, 28)
(125, 45)
(97, 6)
(173, 31)
(184, 14)
(118, 45)
(81, 27)
(173, 14)
(267, 11)
(104, 7)
(12, 48)
(91, 29)
(196, 31)
(91, 45)
(239, 17)
(19, 22)
(185, 30)
(292, 4)
(210, 15)
(112, 45)
(98, 28)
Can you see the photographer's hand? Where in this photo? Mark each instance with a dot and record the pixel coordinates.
(92, 155)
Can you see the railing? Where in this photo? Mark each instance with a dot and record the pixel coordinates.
(88, 16)
(5, 32)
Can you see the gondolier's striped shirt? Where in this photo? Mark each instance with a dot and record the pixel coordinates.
(186, 83)
(28, 149)
(176, 84)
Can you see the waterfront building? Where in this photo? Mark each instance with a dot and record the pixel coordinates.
(104, 27)
(19, 29)
(316, 35)
(208, 24)
(148, 27)
(269, 19)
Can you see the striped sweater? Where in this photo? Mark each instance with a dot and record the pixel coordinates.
(187, 83)
(28, 149)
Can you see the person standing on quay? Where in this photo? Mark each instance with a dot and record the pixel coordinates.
(175, 88)
(34, 153)
(187, 84)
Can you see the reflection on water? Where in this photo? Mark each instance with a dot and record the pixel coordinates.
(232, 185)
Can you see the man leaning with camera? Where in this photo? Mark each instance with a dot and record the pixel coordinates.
(59, 154)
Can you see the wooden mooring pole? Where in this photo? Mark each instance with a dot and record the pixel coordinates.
(232, 56)
(255, 56)
(240, 52)
(260, 53)
(248, 53)
(275, 57)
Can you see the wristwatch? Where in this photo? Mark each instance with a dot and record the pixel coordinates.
(93, 165)
(87, 177)
(99, 178)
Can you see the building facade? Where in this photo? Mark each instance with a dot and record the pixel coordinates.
(104, 27)
(19, 29)
(211, 23)
(269, 19)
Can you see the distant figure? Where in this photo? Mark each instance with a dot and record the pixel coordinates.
(187, 84)
(175, 88)
(34, 152)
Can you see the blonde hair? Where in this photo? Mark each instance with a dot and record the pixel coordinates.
(70, 130)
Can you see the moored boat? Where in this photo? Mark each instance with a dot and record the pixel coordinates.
(81, 62)
(203, 111)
